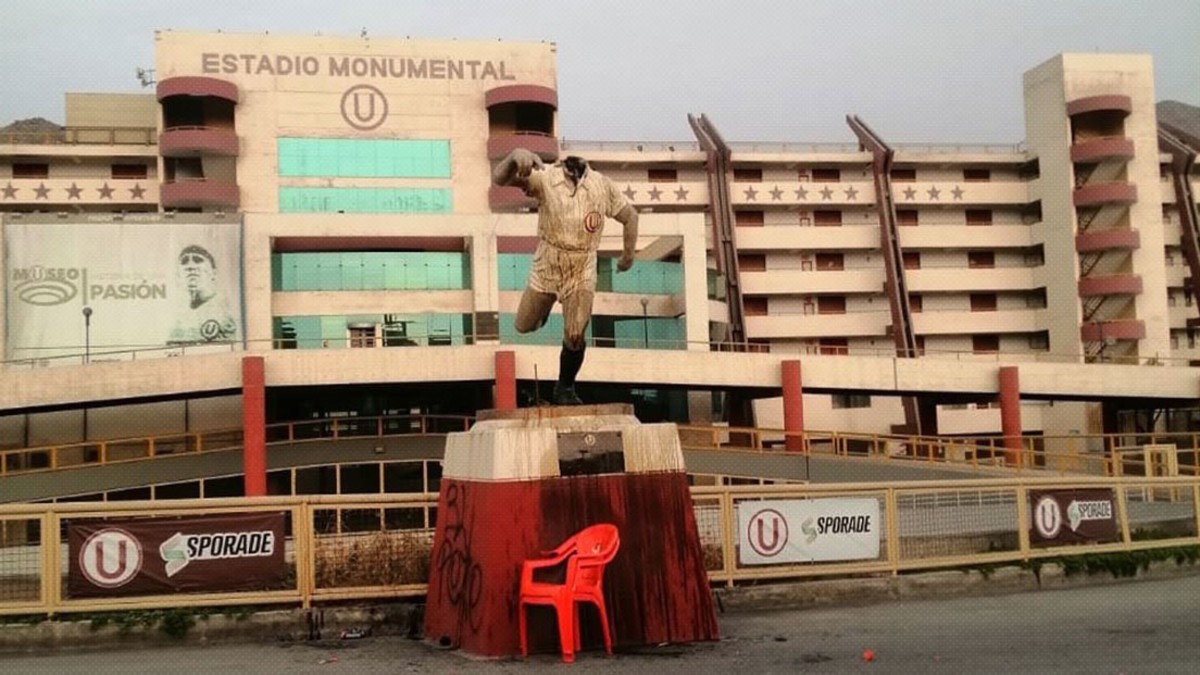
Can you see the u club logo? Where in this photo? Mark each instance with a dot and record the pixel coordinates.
(110, 558)
(364, 107)
(767, 532)
(1047, 517)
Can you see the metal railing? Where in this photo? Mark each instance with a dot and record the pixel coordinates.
(373, 547)
(122, 450)
(83, 136)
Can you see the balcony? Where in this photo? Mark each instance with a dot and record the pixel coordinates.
(813, 195)
(683, 194)
(861, 324)
(508, 198)
(1103, 194)
(791, 238)
(1106, 240)
(521, 93)
(193, 141)
(788, 282)
(959, 193)
(1113, 284)
(200, 193)
(57, 193)
(541, 144)
(966, 280)
(1121, 329)
(1102, 149)
(967, 322)
(1101, 103)
(963, 236)
(194, 85)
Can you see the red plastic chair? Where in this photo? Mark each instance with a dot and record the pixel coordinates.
(585, 554)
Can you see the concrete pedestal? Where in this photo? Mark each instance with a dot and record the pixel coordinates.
(504, 498)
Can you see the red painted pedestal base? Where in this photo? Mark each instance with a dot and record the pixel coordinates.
(656, 588)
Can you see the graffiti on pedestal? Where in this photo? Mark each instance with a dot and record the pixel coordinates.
(459, 570)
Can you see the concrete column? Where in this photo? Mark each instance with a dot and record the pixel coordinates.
(793, 405)
(506, 381)
(256, 282)
(1010, 414)
(695, 283)
(485, 280)
(254, 426)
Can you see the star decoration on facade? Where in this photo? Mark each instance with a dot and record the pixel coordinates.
(934, 193)
(826, 194)
(137, 191)
(74, 191)
(105, 192)
(681, 194)
(776, 194)
(851, 193)
(957, 192)
(655, 193)
(629, 192)
(801, 193)
(41, 191)
(751, 193)
(910, 193)
(9, 191)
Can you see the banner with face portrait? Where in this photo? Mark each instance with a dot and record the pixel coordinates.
(103, 290)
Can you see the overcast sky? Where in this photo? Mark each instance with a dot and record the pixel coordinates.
(915, 70)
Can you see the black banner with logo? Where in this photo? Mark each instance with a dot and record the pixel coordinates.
(1062, 517)
(154, 556)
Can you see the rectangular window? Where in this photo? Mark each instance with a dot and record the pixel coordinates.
(834, 346)
(985, 344)
(129, 172)
(915, 303)
(803, 175)
(29, 170)
(977, 175)
(755, 305)
(920, 345)
(747, 175)
(979, 216)
(831, 304)
(364, 157)
(663, 175)
(981, 259)
(830, 261)
(1039, 341)
(805, 219)
(827, 175)
(912, 260)
(748, 218)
(904, 175)
(364, 200)
(362, 336)
(983, 302)
(842, 401)
(752, 262)
(907, 217)
(827, 218)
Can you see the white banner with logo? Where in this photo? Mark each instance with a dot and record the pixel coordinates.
(807, 530)
(75, 287)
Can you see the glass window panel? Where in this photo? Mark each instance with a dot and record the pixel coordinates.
(373, 265)
(396, 158)
(352, 271)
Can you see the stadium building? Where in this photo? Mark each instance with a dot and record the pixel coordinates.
(325, 204)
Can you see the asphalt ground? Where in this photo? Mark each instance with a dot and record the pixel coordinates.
(1135, 627)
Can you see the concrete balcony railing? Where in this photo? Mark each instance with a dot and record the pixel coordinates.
(818, 325)
(500, 144)
(1102, 149)
(1114, 193)
(965, 280)
(1112, 284)
(967, 322)
(793, 238)
(57, 193)
(1100, 103)
(680, 194)
(194, 141)
(200, 193)
(807, 194)
(788, 282)
(1107, 240)
(960, 193)
(1120, 329)
(964, 236)
(508, 198)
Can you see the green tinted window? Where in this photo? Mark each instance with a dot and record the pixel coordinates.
(364, 157)
(392, 330)
(364, 200)
(371, 271)
(645, 278)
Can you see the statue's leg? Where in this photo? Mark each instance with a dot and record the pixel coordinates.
(533, 311)
(577, 313)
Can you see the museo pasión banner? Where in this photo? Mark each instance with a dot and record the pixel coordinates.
(116, 286)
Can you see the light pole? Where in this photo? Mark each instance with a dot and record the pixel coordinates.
(87, 334)
(645, 323)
